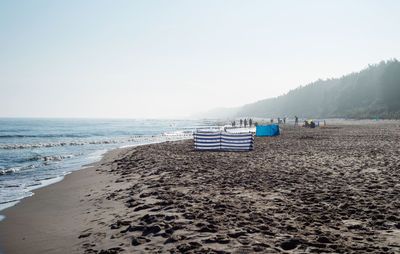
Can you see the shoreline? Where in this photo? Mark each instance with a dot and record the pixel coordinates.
(329, 189)
(50, 210)
(50, 181)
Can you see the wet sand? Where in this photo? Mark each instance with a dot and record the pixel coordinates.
(332, 189)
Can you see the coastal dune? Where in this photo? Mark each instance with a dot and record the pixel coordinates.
(329, 189)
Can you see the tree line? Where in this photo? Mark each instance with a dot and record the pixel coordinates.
(372, 92)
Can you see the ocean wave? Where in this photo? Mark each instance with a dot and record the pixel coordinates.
(12, 186)
(37, 183)
(14, 170)
(44, 136)
(179, 133)
(138, 139)
(10, 201)
(53, 158)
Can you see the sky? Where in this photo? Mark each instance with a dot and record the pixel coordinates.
(171, 59)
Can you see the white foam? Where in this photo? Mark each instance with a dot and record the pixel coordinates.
(8, 205)
(13, 170)
(45, 182)
(126, 146)
(138, 139)
(55, 157)
(29, 189)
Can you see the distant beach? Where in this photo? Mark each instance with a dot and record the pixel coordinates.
(332, 189)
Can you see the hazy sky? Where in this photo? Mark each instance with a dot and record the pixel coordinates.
(173, 58)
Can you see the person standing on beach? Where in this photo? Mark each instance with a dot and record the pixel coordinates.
(245, 123)
(296, 120)
(250, 122)
(241, 121)
(284, 120)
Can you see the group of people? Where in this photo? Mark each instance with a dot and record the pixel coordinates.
(245, 122)
(309, 124)
(280, 121)
(249, 122)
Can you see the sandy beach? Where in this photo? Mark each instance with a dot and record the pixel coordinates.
(332, 189)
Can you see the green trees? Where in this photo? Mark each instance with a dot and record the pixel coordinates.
(374, 91)
(390, 86)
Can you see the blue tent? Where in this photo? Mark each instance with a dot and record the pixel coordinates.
(267, 130)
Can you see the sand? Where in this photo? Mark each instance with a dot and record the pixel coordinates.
(332, 189)
(50, 220)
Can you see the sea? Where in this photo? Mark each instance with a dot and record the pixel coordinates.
(38, 152)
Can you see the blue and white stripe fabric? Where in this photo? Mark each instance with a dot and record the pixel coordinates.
(237, 141)
(223, 141)
(204, 140)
